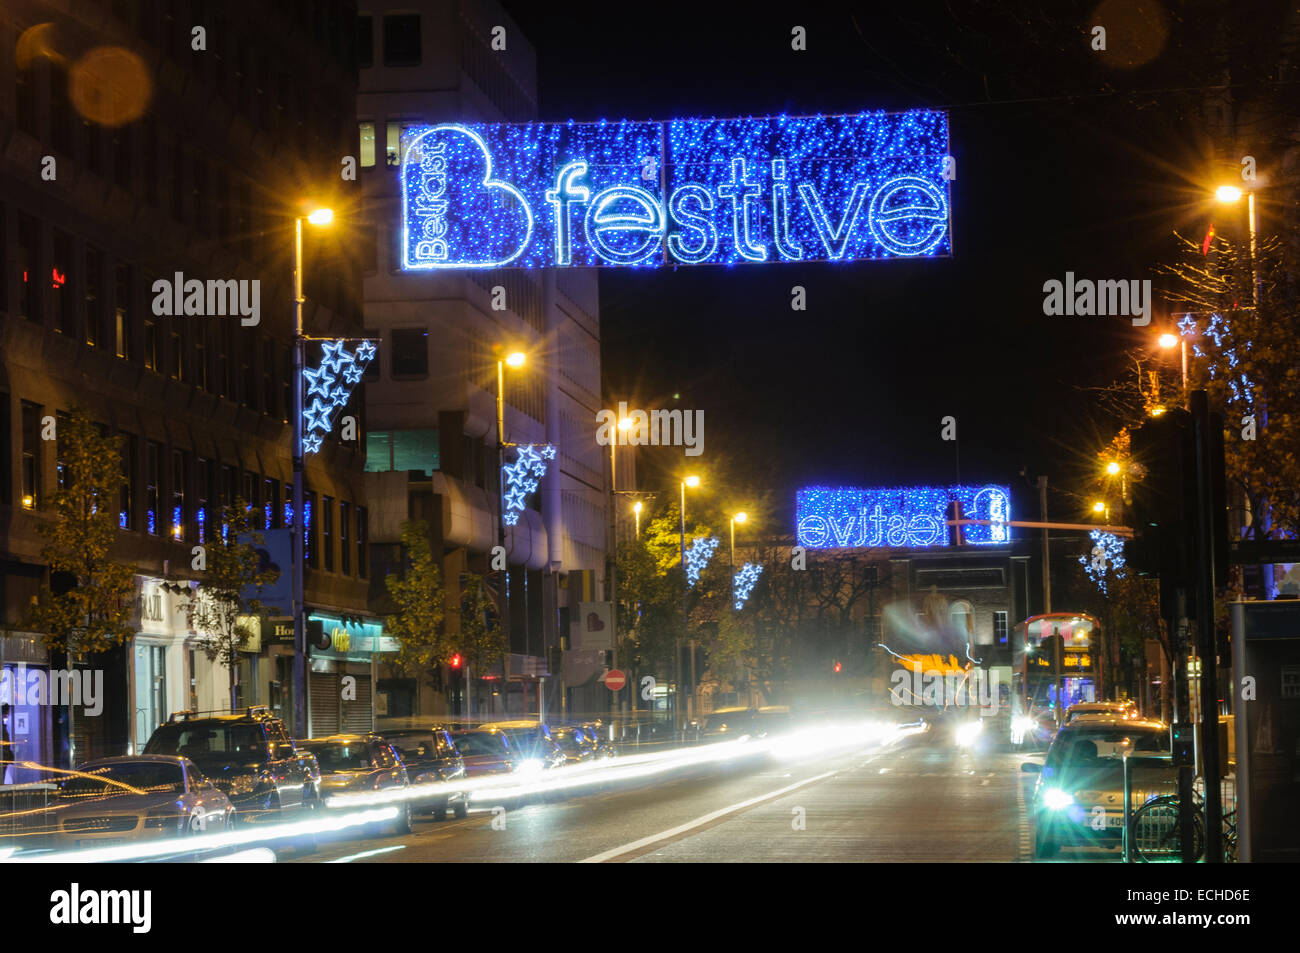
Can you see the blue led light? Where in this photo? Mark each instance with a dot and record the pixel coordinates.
(691, 191)
(1241, 389)
(1107, 553)
(899, 517)
(326, 391)
(521, 479)
(697, 557)
(744, 582)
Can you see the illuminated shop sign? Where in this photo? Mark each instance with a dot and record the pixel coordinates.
(686, 192)
(849, 518)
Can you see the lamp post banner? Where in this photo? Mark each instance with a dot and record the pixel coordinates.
(685, 192)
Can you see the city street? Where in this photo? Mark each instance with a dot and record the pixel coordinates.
(916, 801)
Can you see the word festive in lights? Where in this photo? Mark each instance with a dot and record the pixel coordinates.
(686, 192)
(521, 479)
(901, 517)
(329, 387)
(744, 583)
(697, 558)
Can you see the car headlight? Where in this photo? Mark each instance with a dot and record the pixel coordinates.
(1023, 725)
(968, 733)
(1057, 800)
(531, 766)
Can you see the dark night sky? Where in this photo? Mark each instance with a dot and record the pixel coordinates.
(852, 390)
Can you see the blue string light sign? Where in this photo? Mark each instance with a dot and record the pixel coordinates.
(521, 479)
(744, 581)
(329, 387)
(687, 192)
(697, 558)
(900, 517)
(1107, 553)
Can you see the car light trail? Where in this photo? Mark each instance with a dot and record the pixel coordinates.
(254, 834)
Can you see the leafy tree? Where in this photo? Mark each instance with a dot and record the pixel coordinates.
(219, 607)
(479, 638)
(418, 594)
(92, 614)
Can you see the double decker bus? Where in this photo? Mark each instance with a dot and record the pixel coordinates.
(1033, 668)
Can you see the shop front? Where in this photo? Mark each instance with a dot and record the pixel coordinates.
(342, 672)
(26, 733)
(162, 670)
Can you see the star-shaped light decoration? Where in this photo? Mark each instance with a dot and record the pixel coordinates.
(698, 556)
(324, 382)
(318, 381)
(521, 479)
(744, 583)
(317, 416)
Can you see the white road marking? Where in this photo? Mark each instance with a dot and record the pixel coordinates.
(699, 821)
(1026, 841)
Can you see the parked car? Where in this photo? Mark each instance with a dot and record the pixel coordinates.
(354, 763)
(574, 744)
(1124, 709)
(249, 756)
(432, 760)
(533, 745)
(485, 751)
(112, 801)
(1079, 797)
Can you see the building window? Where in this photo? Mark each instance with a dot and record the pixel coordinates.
(201, 356)
(249, 493)
(203, 511)
(26, 101)
(228, 487)
(92, 295)
(121, 312)
(6, 451)
(122, 157)
(29, 266)
(152, 486)
(64, 307)
(327, 531)
(310, 549)
(410, 353)
(345, 555)
(393, 144)
(31, 455)
(365, 42)
(176, 353)
(361, 541)
(402, 40)
(126, 504)
(271, 513)
(1000, 628)
(180, 479)
(151, 345)
(367, 144)
(63, 474)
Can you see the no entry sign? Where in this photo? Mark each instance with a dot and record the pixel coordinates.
(614, 680)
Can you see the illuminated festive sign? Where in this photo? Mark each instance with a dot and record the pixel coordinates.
(329, 387)
(850, 518)
(743, 583)
(698, 556)
(521, 479)
(687, 192)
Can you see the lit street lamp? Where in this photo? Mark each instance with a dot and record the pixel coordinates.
(1167, 341)
(318, 217)
(513, 359)
(691, 481)
(636, 509)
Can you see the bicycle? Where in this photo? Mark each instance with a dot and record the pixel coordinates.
(1155, 836)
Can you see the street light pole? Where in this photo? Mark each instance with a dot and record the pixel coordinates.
(677, 653)
(299, 568)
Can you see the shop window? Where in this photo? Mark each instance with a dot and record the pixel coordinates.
(31, 468)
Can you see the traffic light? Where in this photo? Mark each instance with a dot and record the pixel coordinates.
(838, 668)
(455, 661)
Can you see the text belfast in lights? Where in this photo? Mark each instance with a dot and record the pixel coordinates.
(847, 518)
(691, 191)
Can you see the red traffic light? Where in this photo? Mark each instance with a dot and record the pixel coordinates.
(455, 661)
(838, 668)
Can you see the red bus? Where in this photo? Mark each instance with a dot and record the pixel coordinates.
(1033, 671)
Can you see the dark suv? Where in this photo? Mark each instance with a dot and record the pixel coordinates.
(249, 756)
